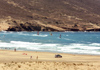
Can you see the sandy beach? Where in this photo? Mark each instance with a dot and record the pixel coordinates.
(28, 60)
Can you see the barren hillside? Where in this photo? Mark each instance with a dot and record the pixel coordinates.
(50, 15)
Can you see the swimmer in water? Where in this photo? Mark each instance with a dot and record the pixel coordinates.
(60, 36)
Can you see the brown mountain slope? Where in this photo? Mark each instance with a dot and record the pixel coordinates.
(50, 15)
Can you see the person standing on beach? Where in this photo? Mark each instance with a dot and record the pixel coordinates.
(37, 57)
(15, 49)
(30, 57)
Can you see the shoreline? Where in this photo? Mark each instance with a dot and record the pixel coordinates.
(51, 52)
(10, 59)
(61, 53)
(39, 53)
(47, 31)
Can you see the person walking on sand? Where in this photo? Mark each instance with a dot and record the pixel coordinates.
(37, 57)
(30, 57)
(15, 49)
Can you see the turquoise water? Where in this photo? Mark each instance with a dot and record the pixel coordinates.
(69, 42)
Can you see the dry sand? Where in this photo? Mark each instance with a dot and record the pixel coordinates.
(27, 60)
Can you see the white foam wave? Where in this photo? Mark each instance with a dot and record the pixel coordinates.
(67, 35)
(4, 31)
(71, 48)
(27, 45)
(40, 35)
(20, 42)
(80, 49)
(33, 35)
(67, 39)
(95, 44)
(82, 46)
(76, 51)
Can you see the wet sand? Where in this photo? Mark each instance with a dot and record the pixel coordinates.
(27, 60)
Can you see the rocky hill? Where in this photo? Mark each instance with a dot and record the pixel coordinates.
(50, 15)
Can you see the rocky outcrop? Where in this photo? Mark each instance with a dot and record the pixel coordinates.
(95, 29)
(37, 26)
(31, 27)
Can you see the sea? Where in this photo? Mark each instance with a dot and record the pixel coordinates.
(57, 42)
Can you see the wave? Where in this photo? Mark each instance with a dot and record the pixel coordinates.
(28, 45)
(95, 44)
(23, 33)
(40, 35)
(67, 35)
(20, 42)
(5, 32)
(33, 35)
(68, 39)
(80, 49)
(54, 47)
